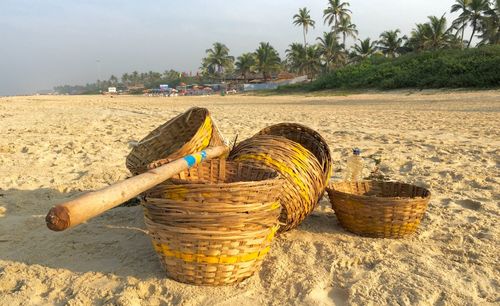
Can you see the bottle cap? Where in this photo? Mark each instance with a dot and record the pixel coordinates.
(356, 151)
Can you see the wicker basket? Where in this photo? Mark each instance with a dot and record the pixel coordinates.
(216, 224)
(308, 138)
(304, 177)
(185, 134)
(379, 209)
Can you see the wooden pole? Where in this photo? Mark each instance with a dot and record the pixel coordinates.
(89, 205)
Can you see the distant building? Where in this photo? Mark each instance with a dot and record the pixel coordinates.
(111, 89)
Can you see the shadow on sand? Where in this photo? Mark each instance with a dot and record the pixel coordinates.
(322, 220)
(114, 242)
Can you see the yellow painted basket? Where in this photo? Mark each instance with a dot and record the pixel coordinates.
(379, 209)
(304, 177)
(187, 133)
(309, 139)
(213, 224)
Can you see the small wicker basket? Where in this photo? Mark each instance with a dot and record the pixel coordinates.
(214, 223)
(379, 209)
(189, 132)
(304, 184)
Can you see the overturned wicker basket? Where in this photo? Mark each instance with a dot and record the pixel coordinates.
(379, 209)
(189, 132)
(304, 177)
(308, 138)
(215, 222)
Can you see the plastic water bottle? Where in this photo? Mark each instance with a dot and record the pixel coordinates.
(354, 166)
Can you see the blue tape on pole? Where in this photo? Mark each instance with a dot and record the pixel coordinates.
(190, 160)
(203, 155)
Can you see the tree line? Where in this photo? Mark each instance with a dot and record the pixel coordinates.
(329, 51)
(134, 81)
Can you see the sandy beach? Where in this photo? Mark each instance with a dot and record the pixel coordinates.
(54, 147)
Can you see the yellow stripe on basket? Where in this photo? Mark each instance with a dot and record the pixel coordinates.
(176, 192)
(204, 134)
(202, 258)
(206, 128)
(304, 191)
(273, 231)
(276, 205)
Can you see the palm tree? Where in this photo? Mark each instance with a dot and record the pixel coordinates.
(218, 59)
(313, 61)
(304, 20)
(267, 60)
(490, 25)
(207, 70)
(437, 34)
(432, 35)
(390, 44)
(134, 77)
(170, 75)
(347, 28)
(331, 50)
(113, 80)
(461, 22)
(125, 79)
(296, 57)
(335, 11)
(418, 36)
(474, 15)
(365, 49)
(244, 64)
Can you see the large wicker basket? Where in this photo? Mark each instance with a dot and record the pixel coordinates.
(189, 132)
(379, 209)
(308, 138)
(304, 177)
(214, 223)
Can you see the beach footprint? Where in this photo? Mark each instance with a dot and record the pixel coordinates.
(446, 201)
(339, 296)
(407, 167)
(329, 296)
(470, 204)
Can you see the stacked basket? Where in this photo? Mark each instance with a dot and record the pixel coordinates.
(214, 223)
(211, 224)
(301, 156)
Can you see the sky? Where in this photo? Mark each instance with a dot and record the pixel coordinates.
(48, 43)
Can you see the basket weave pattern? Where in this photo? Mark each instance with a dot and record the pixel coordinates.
(308, 138)
(188, 133)
(379, 209)
(214, 223)
(302, 171)
(210, 257)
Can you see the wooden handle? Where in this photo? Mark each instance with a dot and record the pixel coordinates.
(89, 205)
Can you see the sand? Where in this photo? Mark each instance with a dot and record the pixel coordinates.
(53, 147)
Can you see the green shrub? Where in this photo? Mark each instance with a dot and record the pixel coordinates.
(478, 67)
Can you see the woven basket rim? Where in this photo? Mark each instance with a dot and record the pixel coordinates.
(189, 202)
(286, 123)
(142, 157)
(215, 234)
(276, 177)
(312, 132)
(331, 188)
(177, 182)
